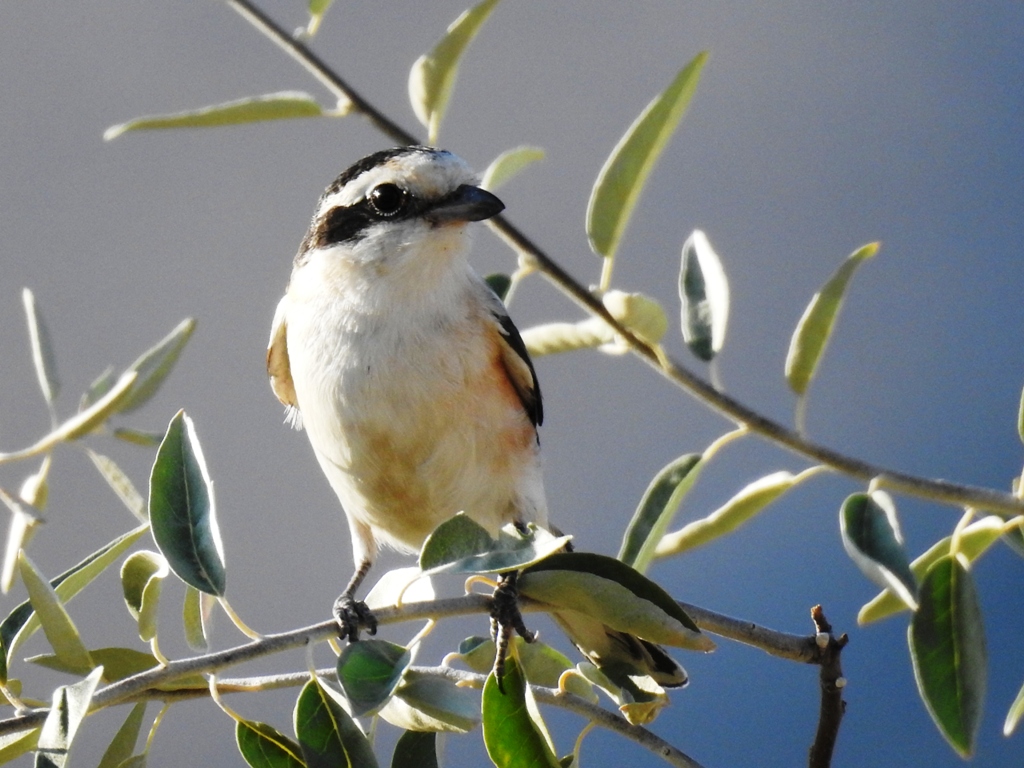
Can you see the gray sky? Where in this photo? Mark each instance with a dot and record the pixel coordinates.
(816, 128)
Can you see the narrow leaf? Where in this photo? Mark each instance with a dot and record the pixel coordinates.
(119, 663)
(317, 9)
(872, 539)
(433, 75)
(42, 348)
(975, 539)
(947, 647)
(415, 749)
(16, 744)
(99, 387)
(508, 164)
(22, 621)
(123, 744)
(20, 530)
(512, 737)
(192, 620)
(657, 508)
(263, 746)
(704, 292)
(120, 483)
(328, 736)
(70, 705)
(181, 509)
(142, 574)
(625, 172)
(369, 672)
(730, 516)
(154, 365)
(1020, 417)
(426, 702)
(1014, 715)
(57, 625)
(815, 327)
(272, 106)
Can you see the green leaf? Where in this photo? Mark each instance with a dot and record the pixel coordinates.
(730, 516)
(120, 483)
(460, 545)
(704, 293)
(25, 519)
(625, 172)
(369, 672)
(425, 702)
(99, 387)
(57, 625)
(512, 736)
(119, 663)
(872, 539)
(70, 705)
(263, 746)
(947, 647)
(42, 348)
(192, 620)
(415, 749)
(615, 595)
(328, 736)
(22, 621)
(271, 106)
(975, 539)
(815, 327)
(123, 744)
(154, 365)
(433, 75)
(317, 9)
(499, 283)
(16, 744)
(142, 575)
(657, 508)
(137, 436)
(509, 164)
(181, 509)
(1014, 715)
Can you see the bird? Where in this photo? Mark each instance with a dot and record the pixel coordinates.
(404, 368)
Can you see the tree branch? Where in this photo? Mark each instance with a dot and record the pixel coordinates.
(832, 708)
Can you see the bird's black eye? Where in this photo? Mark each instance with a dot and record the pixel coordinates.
(387, 199)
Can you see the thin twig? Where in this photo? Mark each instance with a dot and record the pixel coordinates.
(784, 646)
(832, 707)
(532, 255)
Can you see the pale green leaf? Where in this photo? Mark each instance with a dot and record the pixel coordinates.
(657, 508)
(42, 348)
(24, 521)
(16, 744)
(272, 106)
(704, 293)
(1014, 715)
(119, 663)
(872, 539)
(120, 483)
(317, 9)
(193, 620)
(625, 172)
(433, 75)
(99, 387)
(426, 702)
(70, 705)
(122, 746)
(153, 366)
(947, 647)
(815, 327)
(60, 630)
(509, 164)
(181, 509)
(142, 575)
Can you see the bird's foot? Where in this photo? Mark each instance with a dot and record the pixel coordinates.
(352, 615)
(506, 619)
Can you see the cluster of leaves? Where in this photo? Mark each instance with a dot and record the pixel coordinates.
(377, 678)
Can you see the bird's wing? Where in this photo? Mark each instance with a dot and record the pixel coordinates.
(278, 366)
(517, 363)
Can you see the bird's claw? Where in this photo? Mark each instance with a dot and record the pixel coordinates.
(353, 615)
(506, 619)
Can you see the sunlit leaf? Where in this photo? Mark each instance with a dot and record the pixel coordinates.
(99, 387)
(327, 734)
(643, 316)
(272, 106)
(657, 508)
(119, 663)
(317, 9)
(16, 744)
(22, 621)
(70, 705)
(154, 365)
(704, 293)
(120, 483)
(872, 539)
(947, 647)
(730, 516)
(460, 545)
(975, 539)
(433, 75)
(25, 519)
(425, 702)
(142, 574)
(369, 671)
(263, 746)
(625, 172)
(192, 620)
(60, 630)
(1015, 713)
(415, 749)
(123, 744)
(509, 164)
(43, 358)
(512, 737)
(137, 436)
(181, 509)
(815, 327)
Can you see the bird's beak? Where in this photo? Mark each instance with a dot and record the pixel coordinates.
(467, 203)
